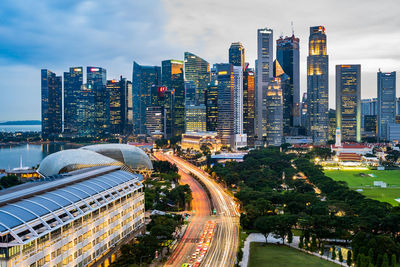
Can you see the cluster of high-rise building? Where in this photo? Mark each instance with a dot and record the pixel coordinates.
(95, 108)
(244, 106)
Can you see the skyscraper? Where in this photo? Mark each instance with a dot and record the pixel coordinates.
(386, 102)
(73, 81)
(195, 118)
(163, 97)
(212, 106)
(236, 55)
(317, 85)
(85, 107)
(288, 56)
(225, 83)
(264, 65)
(348, 101)
(172, 77)
(51, 103)
(197, 70)
(143, 79)
(240, 139)
(97, 79)
(368, 117)
(274, 112)
(118, 105)
(248, 105)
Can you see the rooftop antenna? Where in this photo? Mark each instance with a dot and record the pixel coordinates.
(292, 28)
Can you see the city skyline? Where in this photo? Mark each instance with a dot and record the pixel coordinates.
(74, 38)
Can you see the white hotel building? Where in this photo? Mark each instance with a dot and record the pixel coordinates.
(79, 213)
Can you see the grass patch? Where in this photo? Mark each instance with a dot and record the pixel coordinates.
(361, 180)
(278, 255)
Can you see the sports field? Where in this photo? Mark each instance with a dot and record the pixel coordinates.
(364, 181)
(271, 255)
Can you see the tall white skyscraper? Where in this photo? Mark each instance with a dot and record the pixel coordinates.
(240, 139)
(264, 70)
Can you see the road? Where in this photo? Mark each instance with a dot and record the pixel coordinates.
(225, 238)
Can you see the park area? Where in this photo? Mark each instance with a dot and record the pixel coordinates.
(278, 255)
(364, 180)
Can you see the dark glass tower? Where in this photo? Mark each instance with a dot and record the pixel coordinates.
(197, 75)
(348, 102)
(225, 78)
(73, 81)
(212, 106)
(85, 111)
(51, 103)
(386, 104)
(97, 79)
(288, 56)
(118, 109)
(317, 86)
(249, 105)
(172, 78)
(236, 55)
(143, 79)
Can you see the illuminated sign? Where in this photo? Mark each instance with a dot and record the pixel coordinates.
(94, 69)
(345, 66)
(161, 90)
(113, 81)
(222, 73)
(77, 69)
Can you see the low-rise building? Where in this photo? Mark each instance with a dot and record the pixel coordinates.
(194, 140)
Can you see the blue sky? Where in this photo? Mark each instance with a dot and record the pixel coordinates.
(58, 34)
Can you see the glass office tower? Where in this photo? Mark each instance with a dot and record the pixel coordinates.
(118, 109)
(172, 78)
(236, 55)
(348, 102)
(51, 103)
(264, 73)
(143, 79)
(85, 107)
(317, 86)
(73, 81)
(197, 70)
(97, 79)
(274, 113)
(249, 105)
(386, 102)
(288, 56)
(212, 106)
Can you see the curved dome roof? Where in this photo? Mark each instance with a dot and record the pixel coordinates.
(73, 159)
(130, 155)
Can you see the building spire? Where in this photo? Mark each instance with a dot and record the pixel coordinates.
(292, 28)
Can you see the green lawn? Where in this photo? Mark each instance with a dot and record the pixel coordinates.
(357, 181)
(277, 256)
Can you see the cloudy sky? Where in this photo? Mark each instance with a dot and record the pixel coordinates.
(57, 34)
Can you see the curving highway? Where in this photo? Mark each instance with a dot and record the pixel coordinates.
(225, 239)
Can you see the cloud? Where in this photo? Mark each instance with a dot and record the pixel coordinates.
(58, 34)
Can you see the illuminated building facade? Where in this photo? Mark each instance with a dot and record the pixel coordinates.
(73, 81)
(225, 80)
(118, 105)
(249, 105)
(264, 73)
(348, 102)
(51, 95)
(172, 77)
(97, 79)
(194, 141)
(75, 219)
(195, 118)
(143, 79)
(212, 106)
(369, 126)
(155, 122)
(236, 55)
(274, 113)
(165, 98)
(85, 125)
(304, 103)
(197, 70)
(288, 56)
(386, 104)
(317, 85)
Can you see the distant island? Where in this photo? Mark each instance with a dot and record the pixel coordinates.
(33, 122)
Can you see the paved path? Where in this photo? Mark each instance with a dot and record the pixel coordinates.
(257, 237)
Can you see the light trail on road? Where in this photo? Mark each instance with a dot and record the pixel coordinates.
(223, 247)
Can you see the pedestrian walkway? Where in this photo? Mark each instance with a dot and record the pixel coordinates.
(260, 238)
